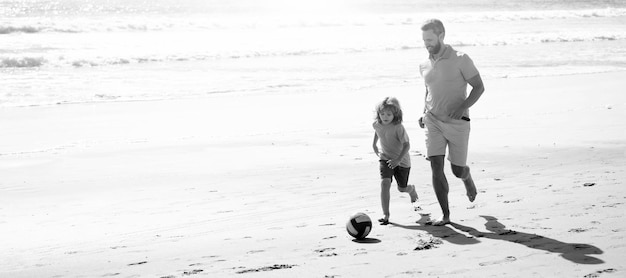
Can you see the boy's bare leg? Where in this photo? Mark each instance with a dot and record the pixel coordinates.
(410, 189)
(385, 196)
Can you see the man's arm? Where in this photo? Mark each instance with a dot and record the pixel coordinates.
(425, 98)
(421, 120)
(477, 90)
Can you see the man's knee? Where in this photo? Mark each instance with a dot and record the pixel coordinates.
(437, 164)
(460, 172)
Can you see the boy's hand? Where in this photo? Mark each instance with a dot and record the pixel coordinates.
(421, 122)
(393, 163)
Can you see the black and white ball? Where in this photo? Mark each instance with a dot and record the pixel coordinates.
(359, 225)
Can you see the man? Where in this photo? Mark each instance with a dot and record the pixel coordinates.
(446, 117)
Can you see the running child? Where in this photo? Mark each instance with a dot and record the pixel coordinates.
(394, 154)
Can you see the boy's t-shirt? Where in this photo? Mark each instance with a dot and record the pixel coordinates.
(392, 138)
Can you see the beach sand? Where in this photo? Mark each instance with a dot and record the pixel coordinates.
(262, 186)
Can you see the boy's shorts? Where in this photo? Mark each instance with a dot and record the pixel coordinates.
(400, 173)
(453, 134)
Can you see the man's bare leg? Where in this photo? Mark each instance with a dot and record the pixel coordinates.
(463, 172)
(440, 185)
(470, 187)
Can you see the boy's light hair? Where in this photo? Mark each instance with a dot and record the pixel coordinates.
(390, 104)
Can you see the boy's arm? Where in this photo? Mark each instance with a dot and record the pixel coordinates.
(375, 144)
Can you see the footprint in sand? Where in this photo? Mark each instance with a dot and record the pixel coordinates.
(577, 230)
(508, 259)
(361, 251)
(429, 243)
(597, 273)
(192, 272)
(326, 252)
(266, 268)
(118, 247)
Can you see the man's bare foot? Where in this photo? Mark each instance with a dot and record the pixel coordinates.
(471, 196)
(470, 188)
(440, 222)
(413, 193)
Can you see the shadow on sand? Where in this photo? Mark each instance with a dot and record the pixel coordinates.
(367, 240)
(574, 252)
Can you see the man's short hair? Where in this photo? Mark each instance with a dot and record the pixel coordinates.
(435, 25)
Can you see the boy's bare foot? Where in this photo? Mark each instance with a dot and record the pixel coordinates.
(384, 221)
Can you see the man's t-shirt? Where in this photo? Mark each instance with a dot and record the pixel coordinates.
(446, 82)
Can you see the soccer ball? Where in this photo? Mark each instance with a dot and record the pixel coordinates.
(359, 225)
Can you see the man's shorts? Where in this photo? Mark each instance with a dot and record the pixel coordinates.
(400, 173)
(453, 134)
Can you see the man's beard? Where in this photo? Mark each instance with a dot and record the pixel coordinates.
(434, 49)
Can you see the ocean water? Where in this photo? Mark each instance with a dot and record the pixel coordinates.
(82, 51)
